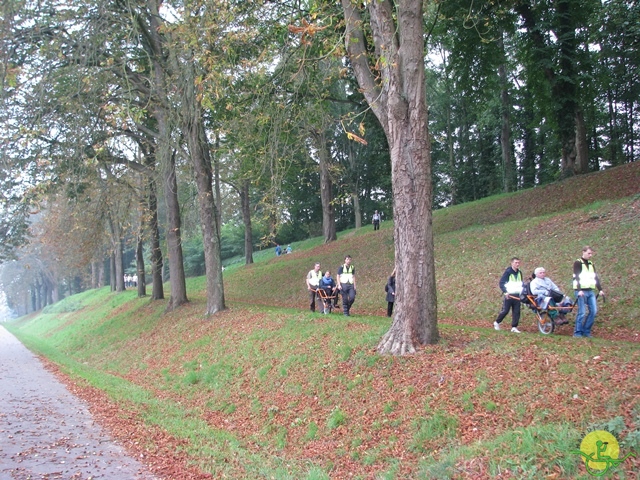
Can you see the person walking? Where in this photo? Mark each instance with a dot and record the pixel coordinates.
(347, 284)
(376, 220)
(585, 285)
(511, 286)
(390, 288)
(313, 280)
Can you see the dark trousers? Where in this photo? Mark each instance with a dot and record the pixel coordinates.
(332, 293)
(389, 309)
(514, 305)
(376, 225)
(312, 300)
(348, 297)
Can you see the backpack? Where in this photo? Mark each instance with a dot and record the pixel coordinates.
(526, 294)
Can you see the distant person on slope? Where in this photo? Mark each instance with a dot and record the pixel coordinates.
(278, 250)
(347, 284)
(585, 285)
(390, 288)
(376, 220)
(511, 286)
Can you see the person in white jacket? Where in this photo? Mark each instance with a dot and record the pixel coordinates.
(547, 292)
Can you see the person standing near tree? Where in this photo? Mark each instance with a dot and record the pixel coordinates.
(390, 288)
(347, 284)
(376, 220)
(511, 286)
(313, 281)
(585, 285)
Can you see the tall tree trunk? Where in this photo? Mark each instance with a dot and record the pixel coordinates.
(529, 149)
(399, 102)
(201, 161)
(355, 198)
(157, 287)
(452, 156)
(166, 157)
(94, 274)
(508, 167)
(582, 146)
(118, 262)
(38, 290)
(112, 271)
(216, 184)
(246, 219)
(34, 297)
(326, 188)
(177, 281)
(142, 284)
(563, 80)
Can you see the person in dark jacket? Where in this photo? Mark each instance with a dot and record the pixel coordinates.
(390, 288)
(329, 286)
(511, 286)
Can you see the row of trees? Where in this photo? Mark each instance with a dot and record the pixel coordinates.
(148, 124)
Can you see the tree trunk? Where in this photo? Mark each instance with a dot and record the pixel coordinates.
(118, 263)
(400, 105)
(94, 274)
(563, 81)
(451, 150)
(216, 185)
(177, 279)
(193, 128)
(508, 171)
(582, 146)
(326, 189)
(142, 284)
(157, 287)
(34, 298)
(246, 218)
(112, 271)
(353, 166)
(166, 158)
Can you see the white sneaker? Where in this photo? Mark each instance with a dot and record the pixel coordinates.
(515, 330)
(496, 325)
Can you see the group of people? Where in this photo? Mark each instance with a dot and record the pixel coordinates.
(344, 285)
(586, 286)
(280, 251)
(130, 280)
(325, 290)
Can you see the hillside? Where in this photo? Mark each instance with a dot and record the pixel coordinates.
(268, 390)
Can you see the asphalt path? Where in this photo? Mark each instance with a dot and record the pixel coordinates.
(46, 432)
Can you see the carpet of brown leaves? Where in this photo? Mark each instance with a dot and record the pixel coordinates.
(435, 378)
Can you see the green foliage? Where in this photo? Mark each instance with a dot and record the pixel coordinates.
(440, 425)
(336, 419)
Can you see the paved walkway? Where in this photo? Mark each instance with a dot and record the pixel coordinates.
(46, 432)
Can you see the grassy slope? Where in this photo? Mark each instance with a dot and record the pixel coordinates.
(269, 390)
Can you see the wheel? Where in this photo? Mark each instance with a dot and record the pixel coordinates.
(545, 323)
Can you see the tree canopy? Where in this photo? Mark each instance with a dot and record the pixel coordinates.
(142, 127)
